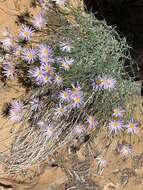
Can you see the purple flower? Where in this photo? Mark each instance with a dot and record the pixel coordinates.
(47, 79)
(17, 51)
(29, 55)
(65, 96)
(45, 53)
(76, 89)
(104, 83)
(26, 33)
(60, 110)
(46, 60)
(58, 80)
(40, 21)
(17, 111)
(77, 97)
(47, 68)
(77, 100)
(66, 63)
(8, 70)
(37, 74)
(91, 120)
(65, 47)
(115, 126)
(132, 127)
(36, 104)
(118, 112)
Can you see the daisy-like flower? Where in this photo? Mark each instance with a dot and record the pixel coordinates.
(47, 79)
(132, 127)
(26, 33)
(40, 21)
(36, 104)
(77, 100)
(91, 120)
(8, 42)
(60, 111)
(44, 51)
(104, 83)
(66, 63)
(46, 60)
(17, 111)
(29, 55)
(76, 89)
(58, 80)
(65, 47)
(47, 68)
(17, 51)
(118, 112)
(115, 126)
(9, 70)
(37, 74)
(65, 96)
(77, 96)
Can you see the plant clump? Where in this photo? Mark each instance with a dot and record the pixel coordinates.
(75, 79)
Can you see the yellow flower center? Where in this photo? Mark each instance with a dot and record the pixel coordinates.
(47, 78)
(77, 100)
(48, 68)
(99, 81)
(58, 79)
(65, 94)
(76, 90)
(39, 74)
(18, 52)
(30, 56)
(46, 52)
(27, 34)
(132, 125)
(116, 124)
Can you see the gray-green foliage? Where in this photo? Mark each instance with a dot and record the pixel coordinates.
(97, 50)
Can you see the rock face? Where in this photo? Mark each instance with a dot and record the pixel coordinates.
(127, 16)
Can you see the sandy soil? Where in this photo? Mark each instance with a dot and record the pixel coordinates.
(126, 174)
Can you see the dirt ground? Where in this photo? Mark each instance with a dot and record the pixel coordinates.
(120, 174)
